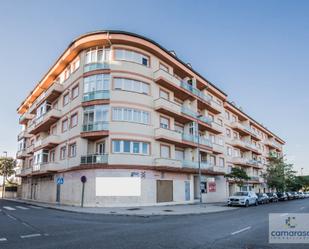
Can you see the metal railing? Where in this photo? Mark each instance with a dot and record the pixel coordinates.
(96, 66)
(101, 94)
(96, 126)
(94, 159)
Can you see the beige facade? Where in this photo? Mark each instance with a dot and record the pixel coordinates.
(119, 105)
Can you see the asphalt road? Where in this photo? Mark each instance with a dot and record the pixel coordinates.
(23, 226)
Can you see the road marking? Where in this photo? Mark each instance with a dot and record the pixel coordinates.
(30, 235)
(35, 207)
(285, 214)
(21, 207)
(302, 208)
(12, 217)
(3, 239)
(25, 224)
(241, 230)
(9, 208)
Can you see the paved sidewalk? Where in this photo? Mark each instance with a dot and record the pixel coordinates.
(138, 211)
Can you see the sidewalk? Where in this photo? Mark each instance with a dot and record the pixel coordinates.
(187, 209)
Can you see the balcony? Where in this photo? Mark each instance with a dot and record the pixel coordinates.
(46, 167)
(94, 159)
(95, 130)
(244, 145)
(166, 80)
(203, 120)
(23, 134)
(216, 128)
(104, 94)
(167, 135)
(167, 107)
(25, 171)
(44, 122)
(247, 162)
(245, 130)
(24, 118)
(21, 154)
(49, 142)
(195, 140)
(96, 66)
(218, 149)
(271, 143)
(53, 92)
(29, 149)
(167, 162)
(204, 166)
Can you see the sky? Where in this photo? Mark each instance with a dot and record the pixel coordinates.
(255, 51)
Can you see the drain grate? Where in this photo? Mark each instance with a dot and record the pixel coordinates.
(133, 209)
(168, 210)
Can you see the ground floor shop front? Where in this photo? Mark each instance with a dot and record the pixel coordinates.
(123, 187)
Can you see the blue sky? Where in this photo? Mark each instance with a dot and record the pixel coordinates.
(256, 51)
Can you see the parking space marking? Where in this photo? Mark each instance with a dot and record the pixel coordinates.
(9, 208)
(30, 235)
(21, 207)
(12, 217)
(241, 230)
(3, 239)
(35, 207)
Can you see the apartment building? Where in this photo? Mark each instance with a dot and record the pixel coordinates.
(137, 122)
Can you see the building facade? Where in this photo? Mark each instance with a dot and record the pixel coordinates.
(137, 122)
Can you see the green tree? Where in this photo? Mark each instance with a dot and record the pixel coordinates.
(238, 175)
(279, 174)
(7, 165)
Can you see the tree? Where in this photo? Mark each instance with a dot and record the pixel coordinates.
(279, 175)
(7, 165)
(238, 175)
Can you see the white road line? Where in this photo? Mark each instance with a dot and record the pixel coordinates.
(3, 239)
(285, 214)
(302, 208)
(21, 207)
(35, 207)
(9, 208)
(30, 235)
(12, 217)
(241, 230)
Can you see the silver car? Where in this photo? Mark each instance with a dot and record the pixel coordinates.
(243, 198)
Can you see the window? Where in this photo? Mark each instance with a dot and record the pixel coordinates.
(235, 135)
(227, 115)
(179, 128)
(212, 117)
(179, 154)
(132, 147)
(234, 118)
(163, 67)
(72, 150)
(100, 148)
(164, 94)
(95, 115)
(228, 132)
(229, 151)
(63, 151)
(220, 122)
(65, 100)
(75, 91)
(73, 120)
(75, 65)
(98, 82)
(164, 123)
(64, 125)
(131, 85)
(165, 151)
(97, 55)
(212, 138)
(132, 56)
(212, 160)
(221, 162)
(130, 115)
(52, 156)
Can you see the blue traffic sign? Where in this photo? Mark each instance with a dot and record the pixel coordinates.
(60, 180)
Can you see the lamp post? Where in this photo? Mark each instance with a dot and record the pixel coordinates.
(199, 159)
(4, 175)
(301, 171)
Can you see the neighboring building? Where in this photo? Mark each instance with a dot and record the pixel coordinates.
(116, 104)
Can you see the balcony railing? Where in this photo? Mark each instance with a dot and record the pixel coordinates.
(195, 139)
(96, 126)
(191, 164)
(193, 114)
(195, 91)
(102, 94)
(94, 159)
(96, 66)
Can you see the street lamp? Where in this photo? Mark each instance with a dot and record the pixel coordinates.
(199, 158)
(4, 175)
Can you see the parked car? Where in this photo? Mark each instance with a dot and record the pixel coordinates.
(290, 195)
(243, 198)
(262, 198)
(301, 195)
(282, 196)
(306, 194)
(272, 197)
(296, 195)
